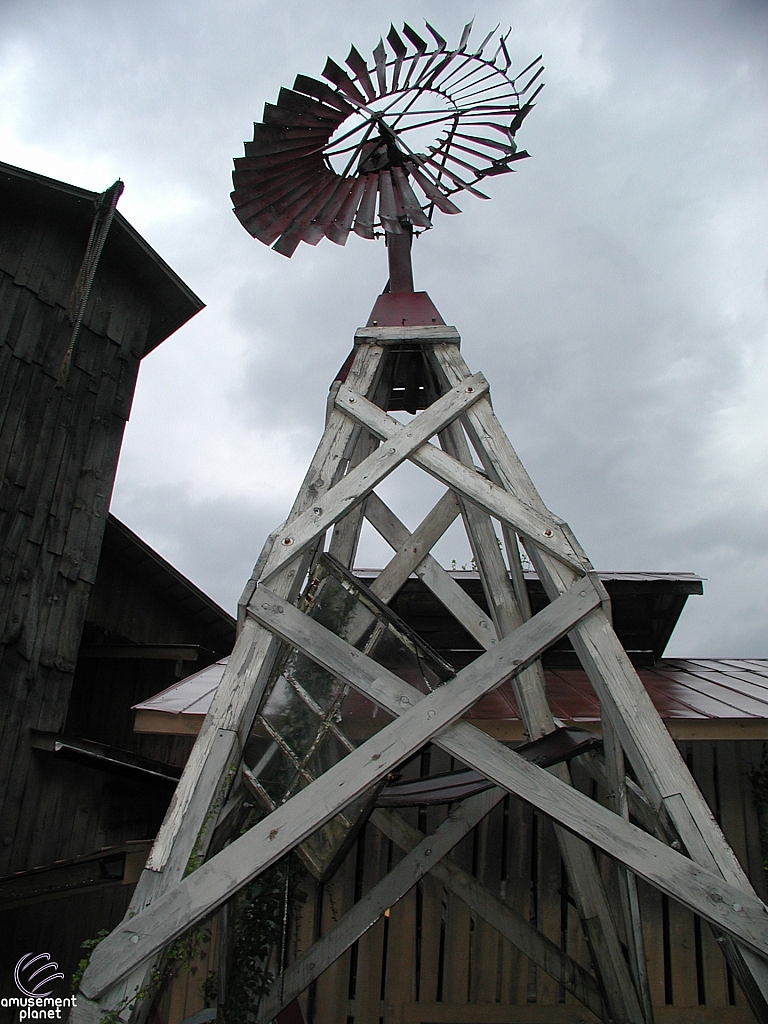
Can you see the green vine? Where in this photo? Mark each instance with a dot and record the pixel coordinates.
(180, 957)
(257, 936)
(196, 857)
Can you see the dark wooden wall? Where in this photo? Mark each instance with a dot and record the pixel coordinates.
(84, 808)
(59, 448)
(58, 455)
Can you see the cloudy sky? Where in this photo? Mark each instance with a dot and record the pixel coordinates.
(614, 291)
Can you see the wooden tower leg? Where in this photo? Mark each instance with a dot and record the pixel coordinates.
(623, 699)
(584, 878)
(191, 818)
(337, 493)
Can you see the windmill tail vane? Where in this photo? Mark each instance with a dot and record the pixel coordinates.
(386, 143)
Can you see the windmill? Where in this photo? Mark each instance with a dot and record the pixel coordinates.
(376, 149)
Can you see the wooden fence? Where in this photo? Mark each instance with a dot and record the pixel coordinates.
(432, 959)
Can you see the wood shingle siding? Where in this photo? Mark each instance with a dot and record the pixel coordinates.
(59, 448)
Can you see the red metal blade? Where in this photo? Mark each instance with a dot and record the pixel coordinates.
(356, 63)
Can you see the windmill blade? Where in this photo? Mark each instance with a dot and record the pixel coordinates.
(285, 118)
(339, 228)
(356, 63)
(256, 165)
(439, 41)
(270, 208)
(400, 50)
(465, 36)
(294, 101)
(433, 193)
(529, 84)
(380, 59)
(250, 201)
(459, 182)
(388, 212)
(503, 48)
(323, 92)
(342, 81)
(479, 52)
(366, 213)
(419, 44)
(288, 241)
(528, 67)
(319, 224)
(410, 203)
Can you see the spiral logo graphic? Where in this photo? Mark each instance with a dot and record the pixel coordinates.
(33, 972)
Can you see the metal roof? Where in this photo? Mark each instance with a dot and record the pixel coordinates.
(693, 695)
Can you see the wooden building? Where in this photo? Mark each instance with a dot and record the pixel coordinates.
(83, 298)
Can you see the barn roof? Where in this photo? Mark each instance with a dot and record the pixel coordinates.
(172, 301)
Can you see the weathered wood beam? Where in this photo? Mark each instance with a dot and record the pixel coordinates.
(703, 891)
(424, 854)
(630, 902)
(296, 535)
(652, 752)
(544, 528)
(441, 583)
(412, 552)
(584, 878)
(421, 718)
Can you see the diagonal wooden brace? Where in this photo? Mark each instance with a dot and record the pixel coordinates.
(660, 768)
(703, 891)
(296, 535)
(421, 718)
(424, 854)
(541, 527)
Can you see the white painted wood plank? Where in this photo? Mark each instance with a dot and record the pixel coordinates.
(543, 528)
(294, 536)
(440, 582)
(422, 717)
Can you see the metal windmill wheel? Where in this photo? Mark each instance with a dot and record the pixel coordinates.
(379, 148)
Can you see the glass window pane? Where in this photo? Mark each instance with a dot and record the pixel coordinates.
(290, 717)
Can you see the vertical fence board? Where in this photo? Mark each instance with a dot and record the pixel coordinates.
(715, 975)
(548, 904)
(371, 945)
(333, 984)
(517, 893)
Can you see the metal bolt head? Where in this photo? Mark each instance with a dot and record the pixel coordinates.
(547, 533)
(288, 541)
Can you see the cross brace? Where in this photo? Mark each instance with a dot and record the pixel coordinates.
(711, 882)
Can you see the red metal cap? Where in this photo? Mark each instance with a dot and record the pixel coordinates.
(404, 309)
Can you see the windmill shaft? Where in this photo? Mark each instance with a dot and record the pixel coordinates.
(400, 266)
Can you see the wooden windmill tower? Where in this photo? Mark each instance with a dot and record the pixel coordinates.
(317, 651)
